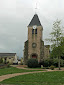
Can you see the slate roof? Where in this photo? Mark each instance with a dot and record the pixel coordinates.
(7, 54)
(35, 21)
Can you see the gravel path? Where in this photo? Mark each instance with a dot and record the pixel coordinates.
(3, 77)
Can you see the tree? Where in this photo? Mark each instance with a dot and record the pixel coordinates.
(1, 60)
(56, 38)
(62, 45)
(57, 52)
(56, 33)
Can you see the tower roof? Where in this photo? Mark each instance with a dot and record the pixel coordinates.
(35, 21)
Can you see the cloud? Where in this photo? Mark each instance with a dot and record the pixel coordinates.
(15, 15)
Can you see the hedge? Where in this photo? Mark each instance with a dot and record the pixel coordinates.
(32, 63)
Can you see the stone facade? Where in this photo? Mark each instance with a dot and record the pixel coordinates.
(46, 51)
(34, 46)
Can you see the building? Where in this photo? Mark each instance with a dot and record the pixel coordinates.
(34, 46)
(9, 57)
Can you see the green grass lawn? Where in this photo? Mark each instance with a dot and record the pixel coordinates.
(44, 78)
(12, 70)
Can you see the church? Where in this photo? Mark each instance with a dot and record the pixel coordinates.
(34, 47)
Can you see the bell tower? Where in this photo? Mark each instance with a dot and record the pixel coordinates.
(35, 38)
(35, 44)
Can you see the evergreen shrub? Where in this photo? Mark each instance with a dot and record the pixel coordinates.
(8, 65)
(32, 63)
(1, 60)
(52, 67)
(50, 62)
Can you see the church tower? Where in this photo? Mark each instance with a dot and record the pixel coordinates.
(34, 46)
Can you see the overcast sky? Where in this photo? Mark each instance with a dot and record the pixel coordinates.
(15, 15)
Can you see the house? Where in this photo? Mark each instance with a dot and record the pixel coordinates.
(9, 57)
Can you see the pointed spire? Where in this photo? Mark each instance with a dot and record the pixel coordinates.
(35, 21)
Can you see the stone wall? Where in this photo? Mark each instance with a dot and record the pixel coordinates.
(34, 38)
(46, 51)
(25, 52)
(42, 50)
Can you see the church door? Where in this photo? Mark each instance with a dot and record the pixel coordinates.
(34, 56)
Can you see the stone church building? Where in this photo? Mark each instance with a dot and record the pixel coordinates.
(34, 47)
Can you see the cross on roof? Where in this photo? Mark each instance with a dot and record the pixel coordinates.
(36, 8)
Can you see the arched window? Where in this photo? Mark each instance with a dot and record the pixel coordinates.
(32, 31)
(35, 31)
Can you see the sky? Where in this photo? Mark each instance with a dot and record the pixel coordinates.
(15, 15)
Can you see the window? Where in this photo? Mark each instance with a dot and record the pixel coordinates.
(32, 31)
(34, 45)
(35, 31)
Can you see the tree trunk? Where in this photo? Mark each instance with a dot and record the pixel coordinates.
(59, 62)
